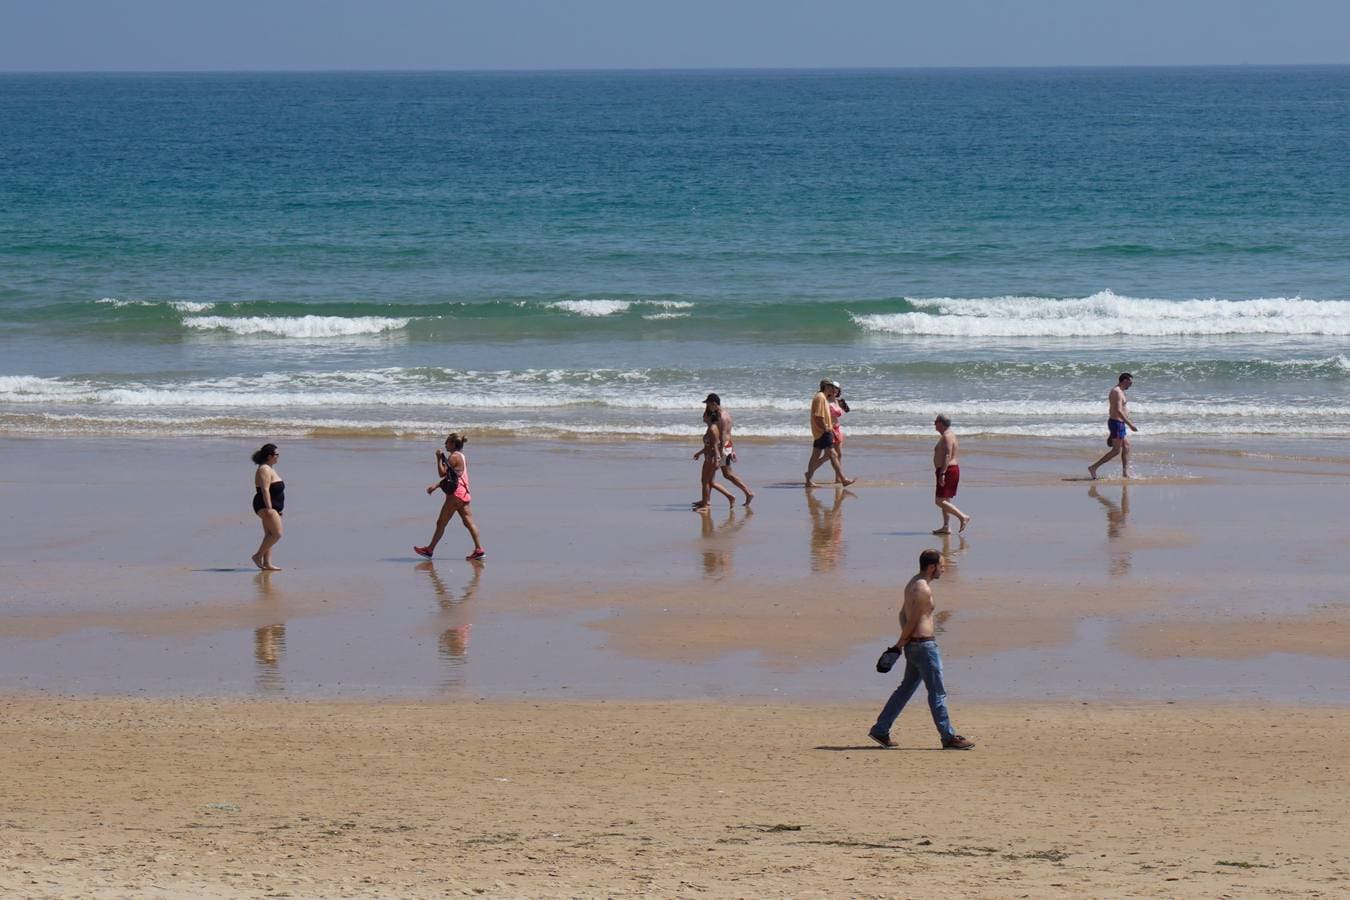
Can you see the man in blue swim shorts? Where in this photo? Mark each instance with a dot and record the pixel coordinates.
(1116, 424)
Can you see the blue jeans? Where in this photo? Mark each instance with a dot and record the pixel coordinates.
(922, 663)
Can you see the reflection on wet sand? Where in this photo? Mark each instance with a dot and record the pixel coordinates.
(453, 644)
(269, 641)
(827, 530)
(951, 556)
(719, 544)
(951, 567)
(1117, 520)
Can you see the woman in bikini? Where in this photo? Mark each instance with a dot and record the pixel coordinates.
(269, 499)
(712, 459)
(453, 469)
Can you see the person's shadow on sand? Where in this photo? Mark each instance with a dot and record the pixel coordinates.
(848, 748)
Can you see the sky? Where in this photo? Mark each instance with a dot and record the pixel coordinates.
(271, 35)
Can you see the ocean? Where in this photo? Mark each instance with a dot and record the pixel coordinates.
(590, 253)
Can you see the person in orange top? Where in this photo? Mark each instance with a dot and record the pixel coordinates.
(822, 436)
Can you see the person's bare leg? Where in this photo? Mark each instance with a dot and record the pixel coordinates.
(736, 480)
(447, 510)
(731, 498)
(1125, 458)
(705, 477)
(949, 509)
(1106, 458)
(946, 522)
(817, 460)
(466, 518)
(839, 475)
(271, 523)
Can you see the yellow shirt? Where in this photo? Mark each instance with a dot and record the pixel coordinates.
(820, 410)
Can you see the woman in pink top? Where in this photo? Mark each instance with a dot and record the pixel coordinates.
(838, 406)
(454, 472)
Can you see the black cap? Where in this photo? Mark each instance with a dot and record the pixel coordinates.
(713, 398)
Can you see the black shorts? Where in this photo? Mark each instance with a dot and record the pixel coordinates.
(825, 441)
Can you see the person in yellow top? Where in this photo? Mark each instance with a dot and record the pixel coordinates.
(822, 437)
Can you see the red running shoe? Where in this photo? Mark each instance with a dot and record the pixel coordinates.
(423, 551)
(478, 553)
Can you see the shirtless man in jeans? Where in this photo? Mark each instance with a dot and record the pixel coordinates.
(1116, 423)
(922, 661)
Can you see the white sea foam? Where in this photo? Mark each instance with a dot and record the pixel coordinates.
(187, 306)
(1106, 314)
(595, 308)
(1340, 362)
(128, 423)
(122, 304)
(306, 327)
(191, 306)
(604, 397)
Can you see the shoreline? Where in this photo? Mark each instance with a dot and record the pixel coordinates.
(309, 799)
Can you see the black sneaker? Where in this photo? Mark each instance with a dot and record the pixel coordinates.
(956, 742)
(882, 739)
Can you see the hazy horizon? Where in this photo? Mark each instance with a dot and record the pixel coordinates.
(70, 36)
(658, 69)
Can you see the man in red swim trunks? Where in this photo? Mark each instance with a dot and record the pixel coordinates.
(948, 475)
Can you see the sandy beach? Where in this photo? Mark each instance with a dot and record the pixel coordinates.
(171, 798)
(630, 698)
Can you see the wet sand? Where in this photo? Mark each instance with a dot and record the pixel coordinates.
(305, 799)
(124, 569)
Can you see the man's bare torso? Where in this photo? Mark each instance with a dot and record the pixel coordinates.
(944, 454)
(1115, 402)
(918, 604)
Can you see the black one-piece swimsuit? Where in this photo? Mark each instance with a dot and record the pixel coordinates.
(277, 490)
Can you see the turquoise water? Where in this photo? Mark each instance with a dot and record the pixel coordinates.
(586, 253)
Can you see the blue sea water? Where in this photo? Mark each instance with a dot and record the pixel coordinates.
(590, 253)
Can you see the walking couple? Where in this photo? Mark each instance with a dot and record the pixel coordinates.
(718, 453)
(827, 438)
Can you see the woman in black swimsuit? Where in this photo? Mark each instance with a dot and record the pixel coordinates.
(269, 499)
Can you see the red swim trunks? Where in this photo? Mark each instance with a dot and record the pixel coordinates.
(946, 488)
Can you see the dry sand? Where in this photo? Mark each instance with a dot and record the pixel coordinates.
(164, 798)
